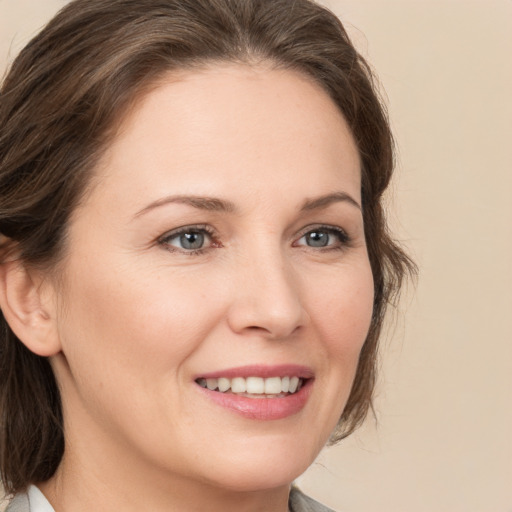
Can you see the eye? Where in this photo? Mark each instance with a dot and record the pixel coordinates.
(324, 237)
(191, 241)
(188, 239)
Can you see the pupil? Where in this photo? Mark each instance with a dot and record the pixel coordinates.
(318, 239)
(192, 240)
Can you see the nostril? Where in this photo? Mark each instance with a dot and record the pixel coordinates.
(275, 332)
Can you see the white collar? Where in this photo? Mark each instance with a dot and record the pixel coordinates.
(37, 500)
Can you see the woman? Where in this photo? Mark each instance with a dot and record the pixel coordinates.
(195, 263)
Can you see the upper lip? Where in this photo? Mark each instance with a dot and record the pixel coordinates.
(282, 370)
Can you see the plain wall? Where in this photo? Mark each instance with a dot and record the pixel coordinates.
(443, 439)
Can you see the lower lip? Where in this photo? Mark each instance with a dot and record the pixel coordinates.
(264, 409)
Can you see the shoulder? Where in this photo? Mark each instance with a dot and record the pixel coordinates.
(31, 501)
(299, 502)
(19, 503)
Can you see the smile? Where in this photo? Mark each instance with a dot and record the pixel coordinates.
(254, 387)
(259, 392)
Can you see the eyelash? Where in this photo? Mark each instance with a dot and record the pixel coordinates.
(344, 239)
(200, 229)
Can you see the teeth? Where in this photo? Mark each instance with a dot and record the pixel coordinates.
(294, 382)
(224, 384)
(238, 385)
(273, 386)
(254, 385)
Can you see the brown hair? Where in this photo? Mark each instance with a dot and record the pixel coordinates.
(59, 103)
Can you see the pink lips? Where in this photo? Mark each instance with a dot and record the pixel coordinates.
(263, 409)
(282, 370)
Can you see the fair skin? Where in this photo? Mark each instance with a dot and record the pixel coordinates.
(270, 272)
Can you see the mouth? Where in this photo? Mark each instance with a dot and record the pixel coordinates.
(259, 392)
(255, 387)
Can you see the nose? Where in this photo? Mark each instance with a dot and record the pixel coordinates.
(267, 299)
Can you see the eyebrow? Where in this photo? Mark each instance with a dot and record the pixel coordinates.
(214, 204)
(325, 201)
(211, 204)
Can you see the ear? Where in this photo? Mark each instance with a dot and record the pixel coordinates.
(28, 307)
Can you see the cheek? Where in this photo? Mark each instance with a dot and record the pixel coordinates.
(127, 338)
(135, 326)
(136, 316)
(340, 314)
(343, 312)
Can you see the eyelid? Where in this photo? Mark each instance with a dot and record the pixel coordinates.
(344, 237)
(203, 228)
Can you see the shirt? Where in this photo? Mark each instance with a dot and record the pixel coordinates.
(34, 501)
(31, 501)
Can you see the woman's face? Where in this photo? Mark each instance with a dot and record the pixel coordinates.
(222, 244)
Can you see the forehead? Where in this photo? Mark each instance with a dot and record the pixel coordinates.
(227, 125)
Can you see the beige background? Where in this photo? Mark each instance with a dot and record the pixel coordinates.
(443, 442)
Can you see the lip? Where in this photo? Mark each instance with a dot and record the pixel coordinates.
(264, 371)
(262, 409)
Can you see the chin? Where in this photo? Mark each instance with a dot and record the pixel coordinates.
(265, 466)
(248, 478)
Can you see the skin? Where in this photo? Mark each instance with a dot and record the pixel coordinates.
(137, 317)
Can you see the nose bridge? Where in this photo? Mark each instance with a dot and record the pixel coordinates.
(268, 294)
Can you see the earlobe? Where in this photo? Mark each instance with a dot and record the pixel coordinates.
(27, 310)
